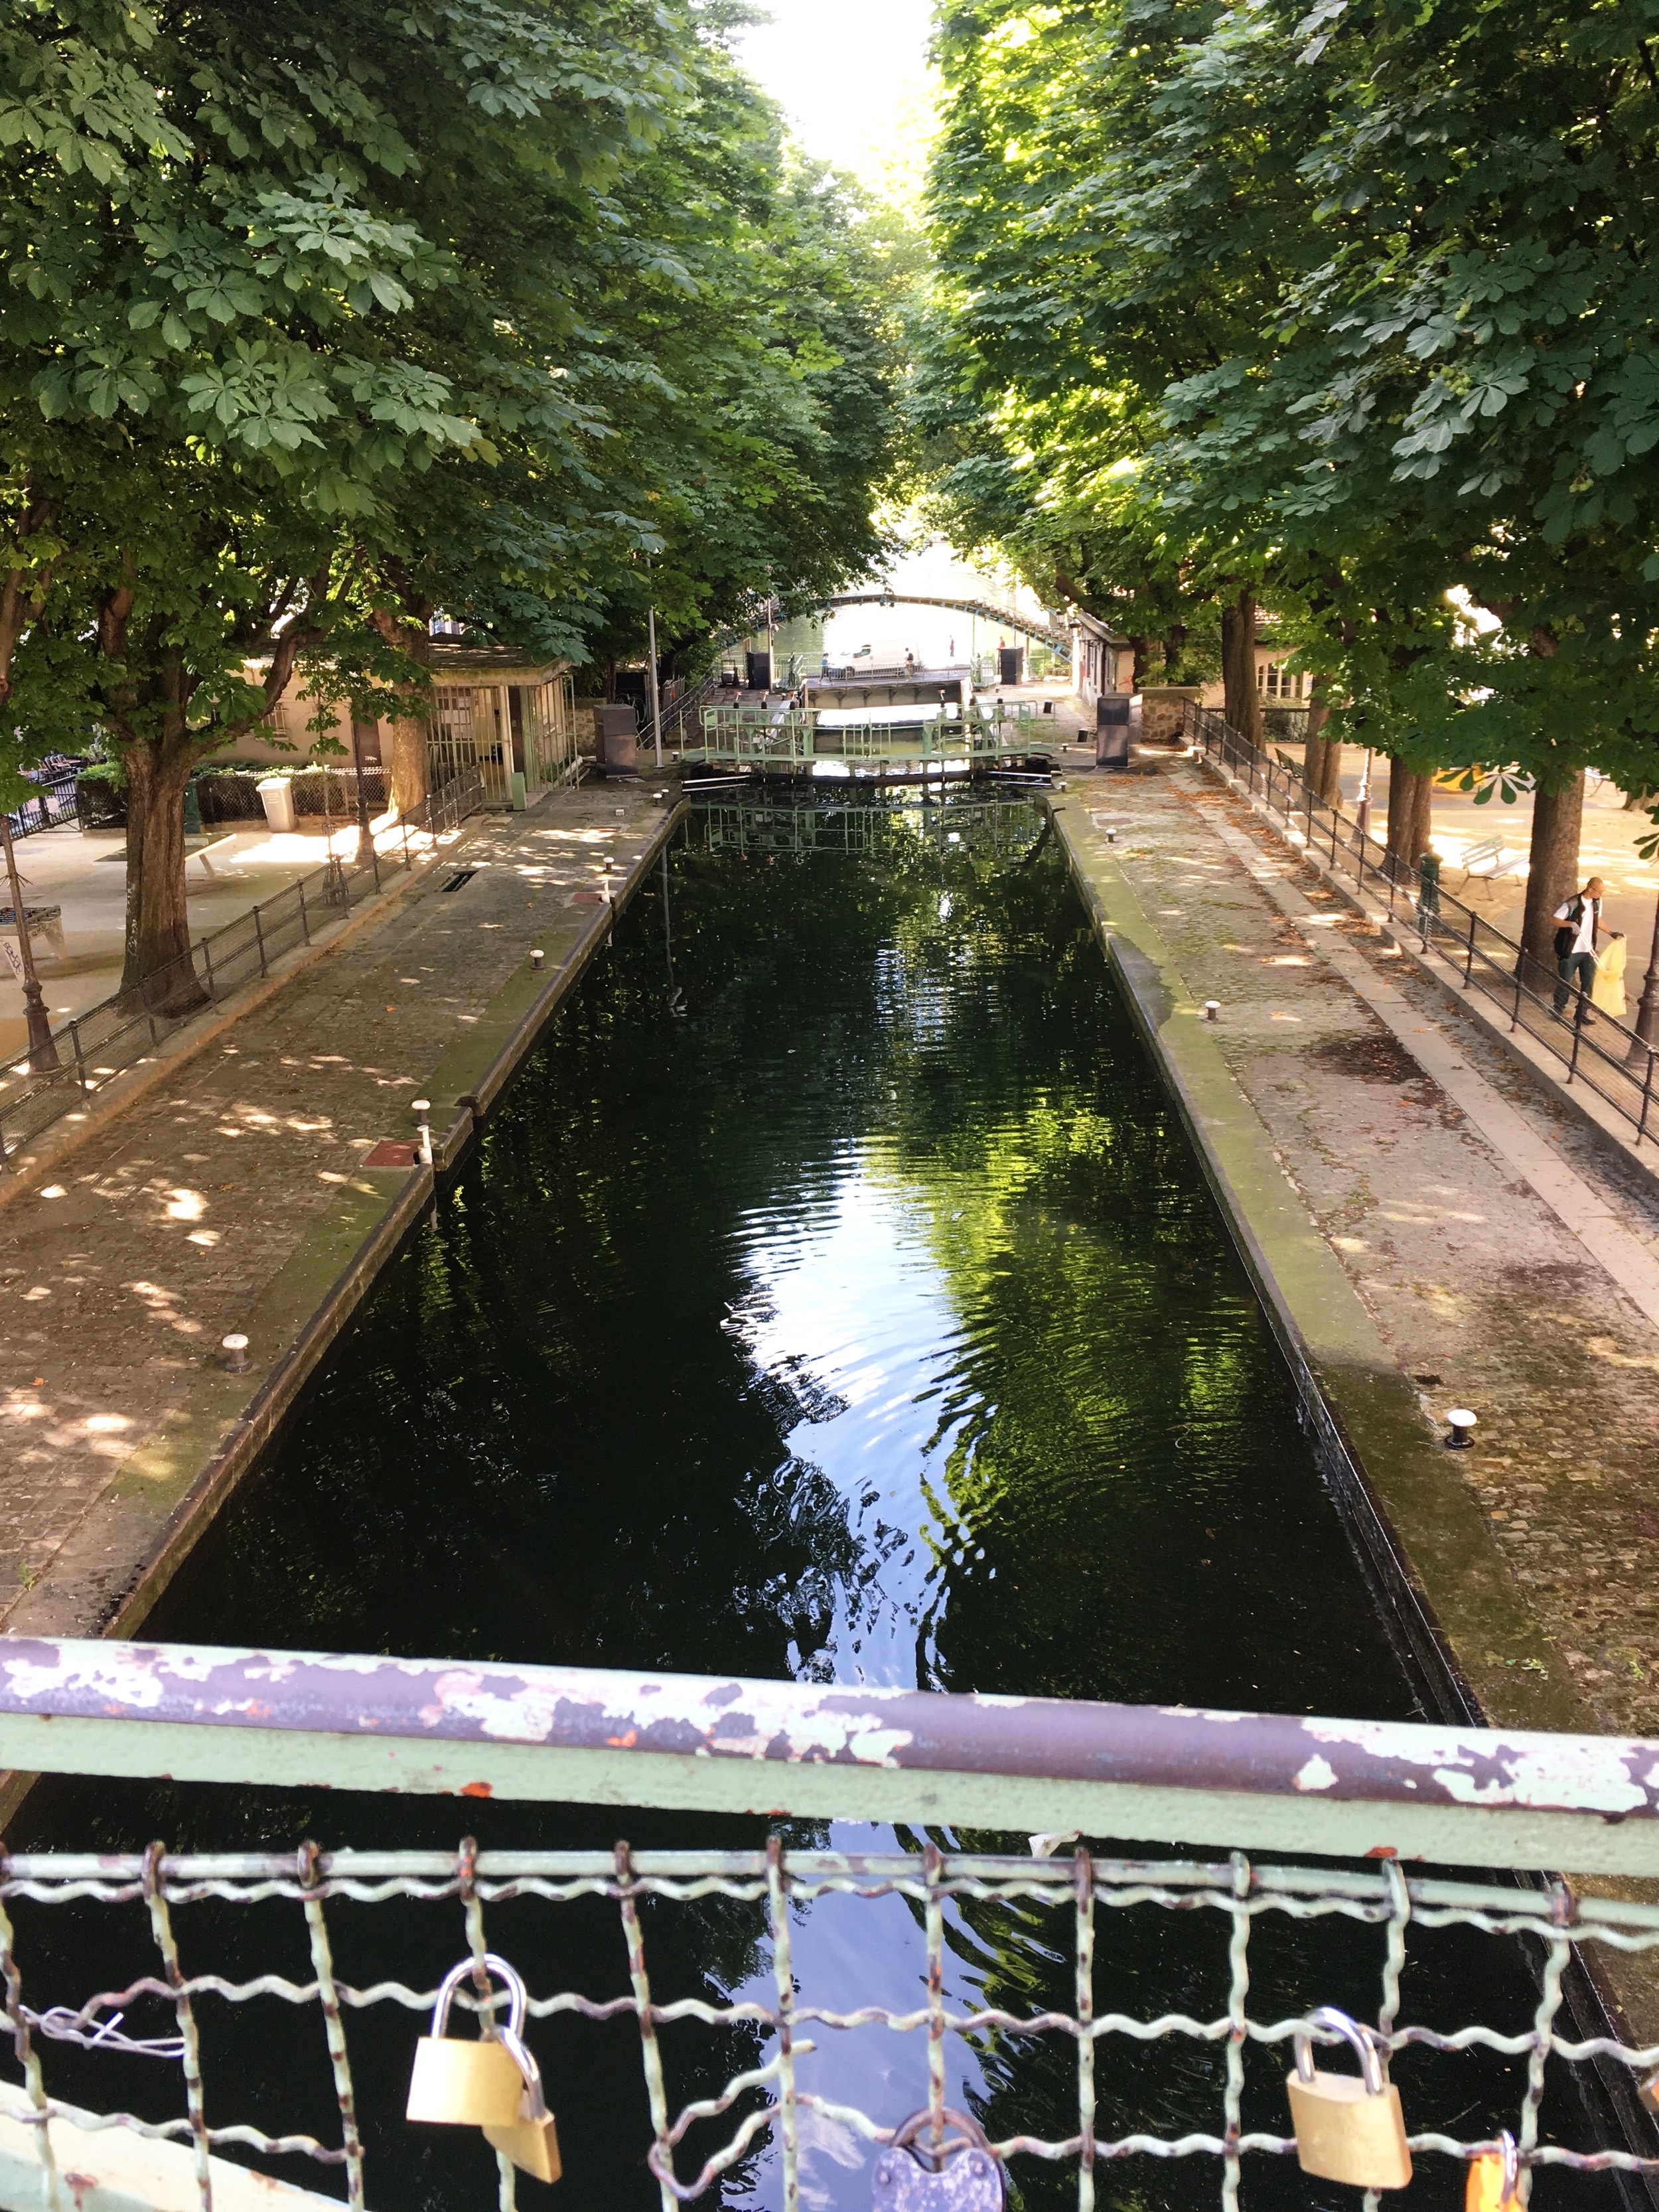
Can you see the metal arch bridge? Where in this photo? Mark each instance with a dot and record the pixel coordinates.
(986, 609)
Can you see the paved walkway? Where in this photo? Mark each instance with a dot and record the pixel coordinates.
(1505, 1263)
(235, 1198)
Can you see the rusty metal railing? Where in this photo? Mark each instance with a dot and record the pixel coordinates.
(950, 2028)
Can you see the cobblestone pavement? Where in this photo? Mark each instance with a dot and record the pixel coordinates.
(117, 1281)
(1483, 1292)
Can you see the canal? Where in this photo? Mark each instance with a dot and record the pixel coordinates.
(835, 1295)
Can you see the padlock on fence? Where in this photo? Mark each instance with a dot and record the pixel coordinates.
(1494, 2180)
(532, 2140)
(956, 2174)
(461, 2083)
(1348, 2127)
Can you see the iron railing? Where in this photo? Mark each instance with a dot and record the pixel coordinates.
(52, 801)
(1067, 2023)
(120, 1031)
(1594, 1048)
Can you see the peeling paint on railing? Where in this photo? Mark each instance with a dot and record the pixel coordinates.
(1170, 1772)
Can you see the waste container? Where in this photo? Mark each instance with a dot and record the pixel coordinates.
(759, 671)
(1011, 663)
(1112, 729)
(276, 797)
(616, 740)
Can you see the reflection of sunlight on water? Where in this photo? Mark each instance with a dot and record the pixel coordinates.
(846, 1953)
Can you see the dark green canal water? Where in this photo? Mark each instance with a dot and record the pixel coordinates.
(835, 1296)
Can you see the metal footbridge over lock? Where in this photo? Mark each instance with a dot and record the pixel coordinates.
(981, 736)
(986, 609)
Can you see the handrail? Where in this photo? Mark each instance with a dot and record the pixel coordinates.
(477, 1728)
(103, 1039)
(1595, 1047)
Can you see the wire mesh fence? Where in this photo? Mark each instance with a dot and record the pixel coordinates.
(740, 2083)
(120, 1031)
(1593, 1047)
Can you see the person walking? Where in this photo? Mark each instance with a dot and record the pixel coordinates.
(1608, 991)
(1580, 920)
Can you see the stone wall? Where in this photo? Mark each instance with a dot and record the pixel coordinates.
(1161, 708)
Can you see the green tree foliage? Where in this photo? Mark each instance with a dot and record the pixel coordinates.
(1355, 304)
(318, 320)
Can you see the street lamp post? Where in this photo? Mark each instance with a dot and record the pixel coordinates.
(656, 696)
(43, 1053)
(1646, 1024)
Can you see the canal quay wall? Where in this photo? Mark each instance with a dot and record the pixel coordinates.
(239, 1194)
(1429, 1226)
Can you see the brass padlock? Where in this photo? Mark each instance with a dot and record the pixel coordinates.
(1494, 2178)
(1348, 2127)
(533, 2141)
(468, 2084)
(956, 2174)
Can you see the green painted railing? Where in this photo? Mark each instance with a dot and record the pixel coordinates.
(1385, 1791)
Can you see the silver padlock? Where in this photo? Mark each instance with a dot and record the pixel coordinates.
(460, 2083)
(956, 2174)
(1348, 2127)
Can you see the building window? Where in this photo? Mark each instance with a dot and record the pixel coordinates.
(1276, 680)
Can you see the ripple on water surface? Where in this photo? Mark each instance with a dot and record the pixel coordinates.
(836, 1295)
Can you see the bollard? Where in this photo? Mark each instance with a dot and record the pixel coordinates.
(1462, 1423)
(235, 1351)
(1212, 1010)
(535, 960)
(421, 1109)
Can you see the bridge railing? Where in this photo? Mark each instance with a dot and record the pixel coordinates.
(1151, 2000)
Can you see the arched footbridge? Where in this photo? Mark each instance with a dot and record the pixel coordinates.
(986, 609)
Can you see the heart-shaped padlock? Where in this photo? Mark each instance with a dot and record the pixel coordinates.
(957, 2173)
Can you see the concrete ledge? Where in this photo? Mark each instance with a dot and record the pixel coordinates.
(1460, 1623)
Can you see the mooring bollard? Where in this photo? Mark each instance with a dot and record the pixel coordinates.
(537, 959)
(1212, 1010)
(1462, 1424)
(422, 1109)
(235, 1351)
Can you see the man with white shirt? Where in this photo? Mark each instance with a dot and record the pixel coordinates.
(1580, 920)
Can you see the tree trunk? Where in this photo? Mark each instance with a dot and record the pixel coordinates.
(1551, 876)
(1244, 702)
(1174, 651)
(1142, 651)
(1322, 770)
(157, 922)
(408, 757)
(1409, 800)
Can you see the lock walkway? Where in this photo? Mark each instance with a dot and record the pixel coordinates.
(235, 1196)
(1431, 1228)
(1439, 1231)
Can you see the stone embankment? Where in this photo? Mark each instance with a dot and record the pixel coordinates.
(1432, 1227)
(239, 1195)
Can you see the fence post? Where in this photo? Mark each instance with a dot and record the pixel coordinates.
(345, 888)
(260, 939)
(374, 863)
(1577, 1038)
(1647, 1098)
(80, 1057)
(207, 955)
(1468, 965)
(1515, 1018)
(305, 920)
